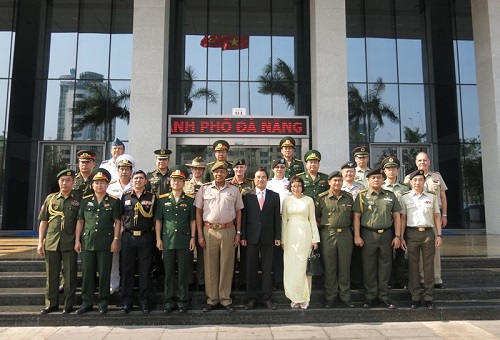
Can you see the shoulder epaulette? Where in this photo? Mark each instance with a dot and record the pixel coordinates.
(298, 160)
(189, 195)
(211, 163)
(112, 182)
(208, 183)
(300, 174)
(164, 195)
(344, 192)
(324, 193)
(87, 196)
(112, 196)
(431, 192)
(362, 191)
(128, 192)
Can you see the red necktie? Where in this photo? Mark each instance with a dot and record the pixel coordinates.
(261, 199)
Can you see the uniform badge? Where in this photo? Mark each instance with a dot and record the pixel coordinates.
(168, 204)
(128, 202)
(183, 205)
(90, 204)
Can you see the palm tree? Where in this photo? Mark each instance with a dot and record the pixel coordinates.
(278, 80)
(413, 135)
(101, 106)
(367, 110)
(191, 93)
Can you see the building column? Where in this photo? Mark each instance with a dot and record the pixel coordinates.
(486, 27)
(149, 85)
(330, 126)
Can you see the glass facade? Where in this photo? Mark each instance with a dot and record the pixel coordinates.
(411, 74)
(239, 54)
(56, 56)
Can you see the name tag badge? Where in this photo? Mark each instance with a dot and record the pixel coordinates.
(127, 202)
(90, 204)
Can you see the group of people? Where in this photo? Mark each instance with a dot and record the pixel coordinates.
(123, 221)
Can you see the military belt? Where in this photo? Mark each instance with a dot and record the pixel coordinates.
(338, 230)
(378, 231)
(218, 225)
(420, 228)
(138, 232)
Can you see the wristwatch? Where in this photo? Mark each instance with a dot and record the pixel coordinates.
(238, 232)
(440, 236)
(397, 236)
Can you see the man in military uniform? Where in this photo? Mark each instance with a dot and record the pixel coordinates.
(159, 183)
(391, 164)
(334, 216)
(175, 225)
(376, 211)
(362, 158)
(244, 185)
(97, 238)
(86, 163)
(117, 149)
(315, 182)
(138, 206)
(56, 239)
(421, 216)
(191, 187)
(218, 220)
(124, 183)
(434, 183)
(294, 165)
(349, 185)
(221, 152)
(158, 179)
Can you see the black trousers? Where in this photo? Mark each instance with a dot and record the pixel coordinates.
(252, 265)
(137, 251)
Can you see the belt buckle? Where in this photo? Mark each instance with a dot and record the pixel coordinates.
(217, 225)
(339, 230)
(136, 232)
(421, 229)
(380, 231)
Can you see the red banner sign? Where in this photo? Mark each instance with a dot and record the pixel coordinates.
(237, 126)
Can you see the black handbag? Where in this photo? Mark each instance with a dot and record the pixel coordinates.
(314, 264)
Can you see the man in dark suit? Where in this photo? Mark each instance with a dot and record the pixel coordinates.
(261, 232)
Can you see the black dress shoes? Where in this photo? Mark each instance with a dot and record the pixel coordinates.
(346, 304)
(183, 309)
(125, 309)
(83, 310)
(439, 286)
(270, 305)
(389, 304)
(250, 305)
(415, 304)
(368, 304)
(208, 308)
(230, 308)
(48, 310)
(144, 309)
(429, 305)
(67, 310)
(103, 310)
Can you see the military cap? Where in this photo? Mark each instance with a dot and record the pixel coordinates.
(277, 162)
(335, 174)
(100, 173)
(390, 161)
(221, 145)
(348, 165)
(86, 155)
(360, 151)
(125, 160)
(240, 161)
(219, 165)
(162, 153)
(198, 162)
(179, 171)
(416, 173)
(117, 142)
(287, 141)
(376, 171)
(312, 154)
(66, 172)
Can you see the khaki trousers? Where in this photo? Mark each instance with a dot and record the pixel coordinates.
(219, 264)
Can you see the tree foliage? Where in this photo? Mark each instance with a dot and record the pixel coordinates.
(278, 80)
(191, 93)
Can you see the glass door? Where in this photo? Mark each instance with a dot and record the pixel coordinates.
(406, 153)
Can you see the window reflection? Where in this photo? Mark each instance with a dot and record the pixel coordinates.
(412, 113)
(5, 53)
(4, 95)
(356, 60)
(63, 48)
(93, 53)
(469, 112)
(120, 62)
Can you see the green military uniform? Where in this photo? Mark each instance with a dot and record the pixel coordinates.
(82, 187)
(376, 231)
(209, 177)
(360, 176)
(314, 187)
(97, 236)
(61, 214)
(244, 186)
(295, 167)
(335, 215)
(158, 183)
(398, 189)
(176, 234)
